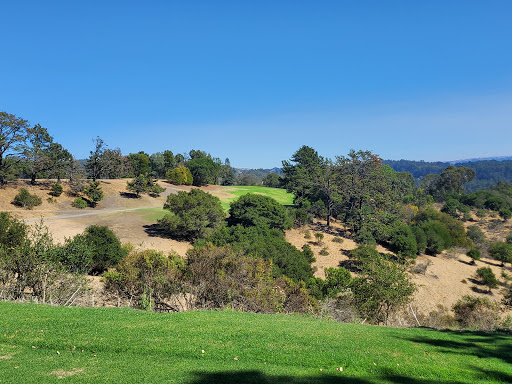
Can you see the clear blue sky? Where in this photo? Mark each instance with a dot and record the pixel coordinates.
(255, 80)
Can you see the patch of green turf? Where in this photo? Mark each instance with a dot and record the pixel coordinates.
(280, 195)
(39, 343)
(152, 214)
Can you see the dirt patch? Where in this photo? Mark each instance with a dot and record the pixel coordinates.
(5, 357)
(61, 374)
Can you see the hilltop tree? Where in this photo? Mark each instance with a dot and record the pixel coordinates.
(13, 133)
(139, 163)
(94, 164)
(451, 180)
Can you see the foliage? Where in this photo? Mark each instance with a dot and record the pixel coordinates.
(475, 254)
(12, 231)
(94, 164)
(57, 189)
(13, 131)
(79, 203)
(106, 247)
(487, 277)
(192, 215)
(381, 287)
(93, 192)
(266, 243)
(204, 170)
(403, 242)
(139, 163)
(505, 213)
(144, 184)
(476, 313)
(501, 251)
(272, 180)
(147, 272)
(76, 254)
(258, 210)
(26, 200)
(324, 252)
(450, 180)
(476, 235)
(180, 175)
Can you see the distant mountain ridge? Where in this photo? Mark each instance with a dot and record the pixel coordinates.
(472, 160)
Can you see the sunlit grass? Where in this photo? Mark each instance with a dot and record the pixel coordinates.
(109, 345)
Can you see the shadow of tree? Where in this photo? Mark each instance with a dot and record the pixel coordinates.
(155, 230)
(128, 195)
(481, 344)
(257, 377)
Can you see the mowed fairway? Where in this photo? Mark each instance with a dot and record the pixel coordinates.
(229, 194)
(43, 344)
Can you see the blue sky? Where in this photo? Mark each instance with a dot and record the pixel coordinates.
(255, 80)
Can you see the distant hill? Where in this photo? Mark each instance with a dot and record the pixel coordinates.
(488, 172)
(497, 158)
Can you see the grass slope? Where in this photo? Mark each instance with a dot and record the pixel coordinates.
(278, 194)
(40, 344)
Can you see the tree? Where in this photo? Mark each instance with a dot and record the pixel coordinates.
(381, 287)
(204, 170)
(144, 184)
(139, 163)
(192, 215)
(272, 180)
(180, 175)
(94, 164)
(487, 277)
(13, 133)
(451, 180)
(475, 254)
(106, 247)
(43, 156)
(258, 210)
(501, 251)
(113, 164)
(93, 192)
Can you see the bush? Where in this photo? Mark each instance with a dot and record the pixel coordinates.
(144, 184)
(481, 213)
(487, 277)
(148, 276)
(475, 254)
(476, 313)
(57, 190)
(93, 192)
(324, 252)
(501, 251)
(79, 203)
(319, 237)
(106, 247)
(505, 213)
(337, 239)
(258, 210)
(476, 235)
(76, 255)
(403, 242)
(509, 239)
(26, 200)
(192, 215)
(179, 176)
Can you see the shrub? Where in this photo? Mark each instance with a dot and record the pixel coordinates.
(476, 313)
(76, 255)
(57, 190)
(337, 239)
(106, 247)
(509, 239)
(364, 236)
(475, 254)
(403, 242)
(93, 192)
(501, 251)
(324, 252)
(79, 203)
(26, 200)
(307, 234)
(476, 234)
(12, 231)
(487, 277)
(505, 213)
(258, 210)
(148, 276)
(144, 184)
(481, 213)
(192, 215)
(319, 237)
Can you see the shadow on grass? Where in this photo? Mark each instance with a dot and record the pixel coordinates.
(257, 377)
(480, 344)
(155, 230)
(128, 195)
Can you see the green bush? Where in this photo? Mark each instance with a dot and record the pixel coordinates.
(79, 203)
(501, 251)
(476, 235)
(106, 247)
(93, 192)
(324, 252)
(12, 231)
(76, 255)
(475, 254)
(258, 210)
(193, 215)
(487, 277)
(481, 213)
(57, 190)
(403, 242)
(505, 213)
(26, 200)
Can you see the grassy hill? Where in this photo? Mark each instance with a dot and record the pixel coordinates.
(43, 344)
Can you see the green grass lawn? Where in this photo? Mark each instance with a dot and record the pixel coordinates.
(39, 344)
(152, 214)
(278, 194)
